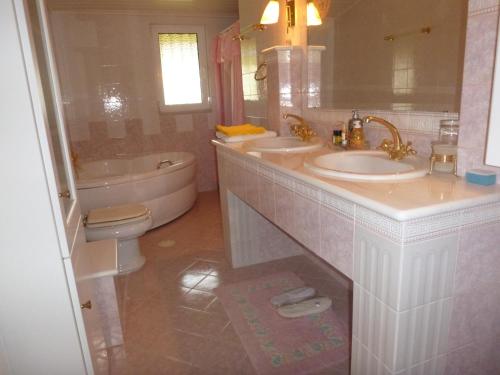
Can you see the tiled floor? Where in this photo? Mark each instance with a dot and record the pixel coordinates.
(172, 322)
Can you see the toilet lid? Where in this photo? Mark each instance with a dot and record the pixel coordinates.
(108, 215)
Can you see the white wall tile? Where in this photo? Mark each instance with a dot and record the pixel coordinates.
(427, 271)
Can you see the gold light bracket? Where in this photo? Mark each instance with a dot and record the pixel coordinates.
(242, 35)
(424, 30)
(290, 13)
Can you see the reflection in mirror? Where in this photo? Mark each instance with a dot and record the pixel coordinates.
(386, 55)
(254, 82)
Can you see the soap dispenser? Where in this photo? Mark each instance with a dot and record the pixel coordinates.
(354, 120)
(357, 138)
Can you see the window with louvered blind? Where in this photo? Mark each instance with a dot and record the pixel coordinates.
(182, 73)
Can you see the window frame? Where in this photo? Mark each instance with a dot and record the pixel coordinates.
(202, 60)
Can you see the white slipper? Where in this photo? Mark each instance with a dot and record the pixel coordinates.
(293, 296)
(310, 306)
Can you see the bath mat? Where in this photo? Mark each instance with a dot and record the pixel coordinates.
(276, 345)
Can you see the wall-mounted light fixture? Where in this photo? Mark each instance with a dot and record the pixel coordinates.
(313, 17)
(272, 10)
(270, 16)
(271, 13)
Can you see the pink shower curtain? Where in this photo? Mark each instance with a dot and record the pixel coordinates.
(226, 54)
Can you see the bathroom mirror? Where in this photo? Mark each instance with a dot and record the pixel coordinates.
(387, 55)
(492, 149)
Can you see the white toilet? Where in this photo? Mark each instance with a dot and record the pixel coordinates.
(125, 223)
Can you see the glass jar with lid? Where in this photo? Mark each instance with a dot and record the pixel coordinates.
(448, 132)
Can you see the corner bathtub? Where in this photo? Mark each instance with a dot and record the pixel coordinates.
(168, 192)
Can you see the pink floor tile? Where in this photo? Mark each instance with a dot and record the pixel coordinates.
(208, 284)
(197, 299)
(190, 279)
(172, 321)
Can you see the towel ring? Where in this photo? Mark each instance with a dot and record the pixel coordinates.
(259, 75)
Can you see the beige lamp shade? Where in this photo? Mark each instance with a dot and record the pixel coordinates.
(271, 13)
(313, 17)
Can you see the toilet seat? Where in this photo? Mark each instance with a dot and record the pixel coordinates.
(118, 215)
(125, 223)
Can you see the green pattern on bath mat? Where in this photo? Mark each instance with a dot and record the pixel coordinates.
(277, 360)
(262, 334)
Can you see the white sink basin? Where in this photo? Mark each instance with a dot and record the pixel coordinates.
(367, 166)
(283, 145)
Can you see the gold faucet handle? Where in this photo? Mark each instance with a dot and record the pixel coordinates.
(302, 131)
(295, 129)
(309, 133)
(386, 145)
(408, 149)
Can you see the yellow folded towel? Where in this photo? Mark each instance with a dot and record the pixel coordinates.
(240, 129)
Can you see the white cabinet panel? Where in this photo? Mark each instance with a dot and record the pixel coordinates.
(92, 322)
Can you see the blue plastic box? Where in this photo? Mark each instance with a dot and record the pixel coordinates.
(481, 177)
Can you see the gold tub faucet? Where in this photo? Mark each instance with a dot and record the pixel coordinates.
(396, 149)
(302, 129)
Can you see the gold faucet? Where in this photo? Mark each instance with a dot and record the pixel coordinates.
(302, 129)
(396, 149)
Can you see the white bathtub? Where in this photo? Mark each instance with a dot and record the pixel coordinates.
(168, 192)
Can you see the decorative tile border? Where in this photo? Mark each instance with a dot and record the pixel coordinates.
(383, 225)
(484, 214)
(338, 204)
(410, 122)
(431, 226)
(285, 181)
(479, 12)
(477, 7)
(308, 191)
(266, 172)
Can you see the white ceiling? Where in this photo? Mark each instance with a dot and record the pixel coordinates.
(178, 6)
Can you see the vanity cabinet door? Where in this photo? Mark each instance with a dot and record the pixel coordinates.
(93, 325)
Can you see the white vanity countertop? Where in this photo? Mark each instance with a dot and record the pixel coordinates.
(401, 200)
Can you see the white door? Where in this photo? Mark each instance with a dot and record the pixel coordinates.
(48, 112)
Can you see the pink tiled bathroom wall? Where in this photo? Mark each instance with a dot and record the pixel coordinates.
(109, 88)
(481, 39)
